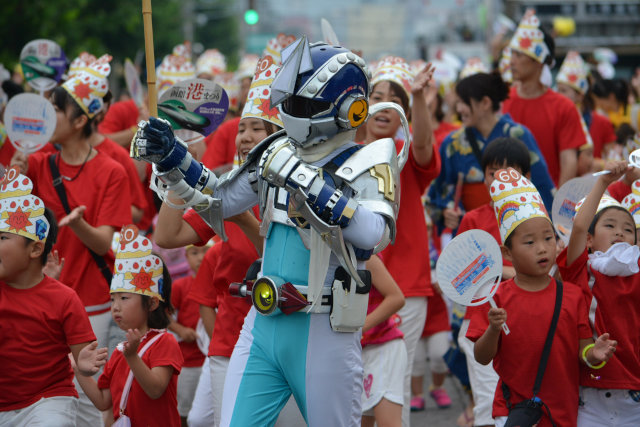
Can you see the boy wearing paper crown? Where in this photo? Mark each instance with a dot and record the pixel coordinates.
(552, 118)
(150, 357)
(42, 319)
(602, 257)
(529, 243)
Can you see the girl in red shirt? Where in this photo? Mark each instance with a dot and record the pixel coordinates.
(140, 303)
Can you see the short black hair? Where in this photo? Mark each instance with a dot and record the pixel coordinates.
(159, 318)
(479, 85)
(63, 100)
(509, 151)
(52, 236)
(596, 218)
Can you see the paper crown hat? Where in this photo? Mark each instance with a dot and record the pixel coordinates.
(276, 44)
(573, 72)
(212, 61)
(631, 202)
(89, 85)
(504, 65)
(258, 103)
(473, 66)
(80, 63)
(605, 202)
(21, 212)
(136, 270)
(247, 66)
(175, 68)
(515, 200)
(529, 38)
(394, 69)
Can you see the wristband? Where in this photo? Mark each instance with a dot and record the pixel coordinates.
(584, 357)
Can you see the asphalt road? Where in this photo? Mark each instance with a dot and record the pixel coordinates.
(433, 416)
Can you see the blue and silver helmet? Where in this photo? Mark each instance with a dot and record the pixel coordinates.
(321, 90)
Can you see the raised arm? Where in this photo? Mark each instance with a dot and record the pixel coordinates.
(582, 220)
(423, 138)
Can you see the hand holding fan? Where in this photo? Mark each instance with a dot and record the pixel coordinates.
(469, 269)
(634, 160)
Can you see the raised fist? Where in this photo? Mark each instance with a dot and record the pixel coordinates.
(153, 141)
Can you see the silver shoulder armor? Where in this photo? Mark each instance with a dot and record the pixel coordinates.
(373, 173)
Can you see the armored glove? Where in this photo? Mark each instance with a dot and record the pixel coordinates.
(155, 142)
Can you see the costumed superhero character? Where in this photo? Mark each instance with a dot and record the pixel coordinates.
(326, 205)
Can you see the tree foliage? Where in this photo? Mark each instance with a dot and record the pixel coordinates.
(112, 26)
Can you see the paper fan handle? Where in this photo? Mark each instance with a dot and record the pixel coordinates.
(505, 328)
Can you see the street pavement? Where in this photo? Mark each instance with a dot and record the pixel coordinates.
(433, 416)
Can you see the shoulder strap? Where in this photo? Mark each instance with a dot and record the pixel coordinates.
(547, 344)
(471, 137)
(62, 195)
(127, 385)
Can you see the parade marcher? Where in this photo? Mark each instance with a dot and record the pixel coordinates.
(528, 241)
(324, 91)
(480, 96)
(139, 381)
(572, 82)
(552, 118)
(499, 154)
(602, 231)
(405, 259)
(91, 201)
(38, 312)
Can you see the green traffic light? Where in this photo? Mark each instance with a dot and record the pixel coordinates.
(251, 17)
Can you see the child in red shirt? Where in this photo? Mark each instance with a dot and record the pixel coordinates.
(184, 325)
(42, 319)
(529, 243)
(602, 258)
(140, 297)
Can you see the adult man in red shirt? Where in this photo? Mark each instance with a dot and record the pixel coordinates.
(551, 117)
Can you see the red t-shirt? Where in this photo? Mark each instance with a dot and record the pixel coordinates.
(518, 356)
(236, 256)
(38, 325)
(221, 145)
(121, 155)
(444, 129)
(103, 188)
(143, 410)
(437, 316)
(188, 315)
(618, 190)
(602, 132)
(7, 150)
(202, 291)
(553, 120)
(384, 331)
(614, 303)
(408, 258)
(120, 116)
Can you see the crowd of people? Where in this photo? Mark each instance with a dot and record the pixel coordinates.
(116, 305)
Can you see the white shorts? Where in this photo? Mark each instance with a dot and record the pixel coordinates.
(384, 367)
(57, 411)
(483, 379)
(187, 384)
(607, 407)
